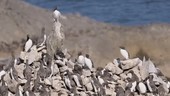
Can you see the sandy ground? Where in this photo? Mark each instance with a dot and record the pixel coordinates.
(100, 40)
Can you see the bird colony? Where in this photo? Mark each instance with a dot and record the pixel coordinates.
(35, 72)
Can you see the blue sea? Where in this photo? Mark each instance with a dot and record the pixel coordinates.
(123, 12)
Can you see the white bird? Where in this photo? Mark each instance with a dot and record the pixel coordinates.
(168, 84)
(88, 62)
(76, 80)
(141, 88)
(133, 88)
(45, 38)
(124, 53)
(101, 81)
(28, 44)
(2, 73)
(67, 82)
(148, 85)
(56, 14)
(131, 84)
(80, 59)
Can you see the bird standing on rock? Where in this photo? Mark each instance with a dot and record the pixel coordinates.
(141, 87)
(45, 37)
(28, 44)
(80, 59)
(124, 53)
(88, 62)
(151, 85)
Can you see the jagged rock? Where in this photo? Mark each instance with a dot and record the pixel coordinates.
(63, 69)
(110, 92)
(156, 78)
(60, 62)
(41, 48)
(22, 81)
(67, 55)
(54, 93)
(112, 87)
(116, 77)
(111, 67)
(82, 94)
(144, 69)
(86, 72)
(12, 85)
(48, 81)
(137, 72)
(57, 84)
(31, 56)
(55, 69)
(118, 70)
(129, 63)
(122, 83)
(7, 77)
(44, 51)
(85, 80)
(70, 64)
(123, 76)
(20, 68)
(152, 68)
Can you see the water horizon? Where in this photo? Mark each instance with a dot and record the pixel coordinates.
(131, 12)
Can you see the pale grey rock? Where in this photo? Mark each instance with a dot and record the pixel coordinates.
(82, 94)
(122, 83)
(70, 64)
(20, 68)
(152, 68)
(22, 81)
(137, 72)
(57, 84)
(111, 67)
(118, 70)
(144, 69)
(60, 62)
(85, 80)
(86, 72)
(41, 48)
(7, 77)
(110, 92)
(55, 69)
(12, 85)
(54, 93)
(123, 76)
(31, 56)
(63, 69)
(130, 63)
(48, 81)
(117, 77)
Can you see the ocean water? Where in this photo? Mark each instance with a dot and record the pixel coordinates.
(123, 12)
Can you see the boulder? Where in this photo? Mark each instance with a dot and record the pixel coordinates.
(129, 63)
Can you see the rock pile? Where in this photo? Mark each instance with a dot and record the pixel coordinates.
(40, 71)
(35, 73)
